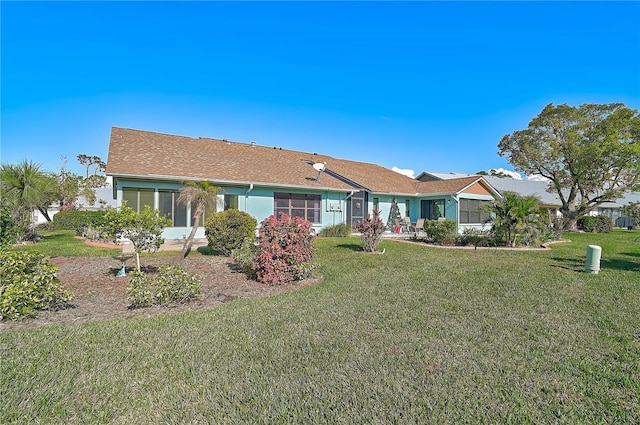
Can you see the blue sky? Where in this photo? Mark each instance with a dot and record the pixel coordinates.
(414, 85)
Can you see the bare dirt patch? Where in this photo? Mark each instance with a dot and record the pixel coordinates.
(99, 294)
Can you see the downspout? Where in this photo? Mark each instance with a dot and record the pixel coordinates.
(246, 198)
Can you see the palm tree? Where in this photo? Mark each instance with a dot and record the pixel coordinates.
(514, 216)
(27, 186)
(202, 194)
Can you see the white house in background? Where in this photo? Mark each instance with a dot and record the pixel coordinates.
(104, 200)
(548, 200)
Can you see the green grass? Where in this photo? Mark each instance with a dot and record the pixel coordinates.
(62, 243)
(417, 335)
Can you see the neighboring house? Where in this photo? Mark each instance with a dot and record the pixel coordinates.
(104, 200)
(150, 169)
(548, 200)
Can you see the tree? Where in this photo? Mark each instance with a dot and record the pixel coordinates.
(394, 215)
(99, 166)
(143, 229)
(94, 180)
(201, 194)
(590, 154)
(67, 186)
(27, 187)
(515, 217)
(632, 210)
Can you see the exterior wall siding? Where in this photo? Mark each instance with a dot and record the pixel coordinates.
(257, 202)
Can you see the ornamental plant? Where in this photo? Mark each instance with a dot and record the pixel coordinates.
(29, 283)
(285, 250)
(143, 229)
(371, 230)
(173, 285)
(227, 230)
(440, 231)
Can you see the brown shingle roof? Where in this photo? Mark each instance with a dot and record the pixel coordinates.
(446, 186)
(141, 154)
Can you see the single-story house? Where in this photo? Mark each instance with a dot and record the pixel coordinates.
(548, 200)
(150, 169)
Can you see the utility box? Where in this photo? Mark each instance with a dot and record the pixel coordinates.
(594, 252)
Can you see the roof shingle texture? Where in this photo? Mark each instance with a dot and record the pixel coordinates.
(143, 154)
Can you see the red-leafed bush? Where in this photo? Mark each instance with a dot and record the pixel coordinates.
(371, 230)
(285, 250)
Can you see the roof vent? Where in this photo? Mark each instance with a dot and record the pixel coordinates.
(253, 143)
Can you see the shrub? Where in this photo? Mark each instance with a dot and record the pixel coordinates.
(440, 231)
(595, 223)
(471, 236)
(285, 250)
(341, 230)
(7, 226)
(143, 229)
(371, 230)
(244, 257)
(173, 285)
(227, 230)
(29, 283)
(78, 220)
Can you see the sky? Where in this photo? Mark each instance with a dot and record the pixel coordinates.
(419, 86)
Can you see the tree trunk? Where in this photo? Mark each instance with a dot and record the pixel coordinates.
(189, 242)
(45, 213)
(570, 221)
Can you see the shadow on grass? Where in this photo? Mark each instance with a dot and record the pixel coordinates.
(574, 265)
(351, 246)
(620, 265)
(570, 264)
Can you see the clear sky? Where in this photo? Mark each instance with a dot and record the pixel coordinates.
(414, 85)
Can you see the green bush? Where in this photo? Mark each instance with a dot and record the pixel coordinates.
(341, 230)
(244, 257)
(7, 226)
(78, 220)
(173, 285)
(29, 283)
(227, 230)
(440, 231)
(595, 224)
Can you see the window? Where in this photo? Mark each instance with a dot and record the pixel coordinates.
(137, 198)
(470, 211)
(172, 209)
(297, 205)
(376, 204)
(432, 209)
(230, 202)
(407, 204)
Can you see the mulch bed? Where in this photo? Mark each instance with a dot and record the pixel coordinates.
(99, 294)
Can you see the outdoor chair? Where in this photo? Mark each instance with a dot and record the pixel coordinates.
(406, 225)
(418, 227)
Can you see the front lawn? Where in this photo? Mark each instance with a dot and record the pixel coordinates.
(416, 335)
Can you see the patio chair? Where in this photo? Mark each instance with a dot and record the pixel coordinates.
(406, 225)
(418, 227)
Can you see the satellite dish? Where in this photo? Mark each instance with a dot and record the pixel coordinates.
(319, 166)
